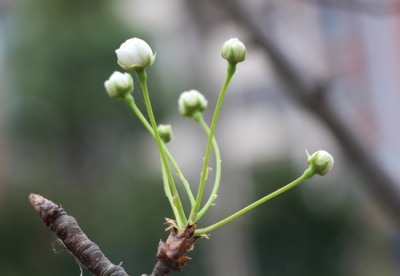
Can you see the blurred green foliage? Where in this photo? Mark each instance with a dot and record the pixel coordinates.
(291, 240)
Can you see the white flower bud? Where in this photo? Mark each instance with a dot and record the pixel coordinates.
(320, 162)
(165, 132)
(135, 54)
(118, 85)
(233, 50)
(191, 101)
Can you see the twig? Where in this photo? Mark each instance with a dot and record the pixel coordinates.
(75, 241)
(372, 8)
(170, 254)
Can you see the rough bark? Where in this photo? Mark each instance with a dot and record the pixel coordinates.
(75, 241)
(170, 254)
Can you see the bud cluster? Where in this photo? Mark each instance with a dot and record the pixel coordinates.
(135, 54)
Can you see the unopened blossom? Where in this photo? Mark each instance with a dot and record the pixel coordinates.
(191, 101)
(118, 85)
(233, 50)
(135, 54)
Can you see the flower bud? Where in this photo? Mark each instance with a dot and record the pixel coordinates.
(233, 50)
(191, 101)
(135, 54)
(118, 85)
(320, 162)
(165, 132)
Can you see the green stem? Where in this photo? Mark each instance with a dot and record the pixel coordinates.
(199, 118)
(131, 103)
(142, 77)
(195, 208)
(169, 195)
(305, 176)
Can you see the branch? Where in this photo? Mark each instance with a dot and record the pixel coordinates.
(372, 8)
(170, 254)
(313, 98)
(75, 241)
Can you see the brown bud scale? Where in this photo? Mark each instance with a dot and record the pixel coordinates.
(171, 254)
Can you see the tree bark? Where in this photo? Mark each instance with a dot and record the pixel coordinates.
(170, 254)
(74, 240)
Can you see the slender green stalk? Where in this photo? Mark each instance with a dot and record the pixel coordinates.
(131, 103)
(305, 176)
(195, 208)
(142, 77)
(168, 193)
(199, 118)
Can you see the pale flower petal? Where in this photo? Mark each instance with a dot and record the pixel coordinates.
(135, 54)
(191, 101)
(233, 50)
(118, 85)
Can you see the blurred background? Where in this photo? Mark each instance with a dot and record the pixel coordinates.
(319, 74)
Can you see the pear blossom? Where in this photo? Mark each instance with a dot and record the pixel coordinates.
(191, 101)
(321, 162)
(135, 54)
(165, 132)
(118, 85)
(233, 50)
